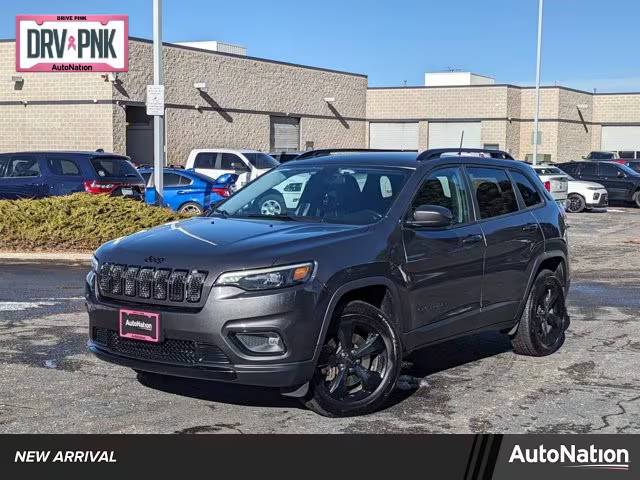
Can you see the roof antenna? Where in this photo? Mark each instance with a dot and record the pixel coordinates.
(461, 139)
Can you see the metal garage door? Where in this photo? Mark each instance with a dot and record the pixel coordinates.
(285, 134)
(615, 138)
(447, 134)
(400, 135)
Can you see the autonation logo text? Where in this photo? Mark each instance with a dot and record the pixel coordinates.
(571, 456)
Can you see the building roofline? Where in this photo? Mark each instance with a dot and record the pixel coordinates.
(508, 85)
(247, 57)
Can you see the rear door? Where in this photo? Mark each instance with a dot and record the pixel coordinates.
(22, 177)
(513, 239)
(65, 173)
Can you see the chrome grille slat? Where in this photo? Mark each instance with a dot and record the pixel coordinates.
(134, 281)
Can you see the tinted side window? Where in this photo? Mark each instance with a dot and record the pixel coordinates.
(62, 166)
(607, 170)
(3, 165)
(528, 191)
(588, 169)
(229, 161)
(493, 191)
(205, 160)
(185, 180)
(444, 188)
(171, 179)
(570, 168)
(22, 167)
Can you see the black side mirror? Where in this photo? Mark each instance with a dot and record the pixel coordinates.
(621, 174)
(432, 216)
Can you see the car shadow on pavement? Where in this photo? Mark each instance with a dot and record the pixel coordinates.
(218, 392)
(446, 356)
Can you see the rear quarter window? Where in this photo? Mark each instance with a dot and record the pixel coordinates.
(113, 167)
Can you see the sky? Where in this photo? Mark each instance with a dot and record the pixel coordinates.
(586, 44)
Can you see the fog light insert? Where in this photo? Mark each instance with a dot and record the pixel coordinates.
(268, 342)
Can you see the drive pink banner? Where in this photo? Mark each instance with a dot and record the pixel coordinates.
(72, 43)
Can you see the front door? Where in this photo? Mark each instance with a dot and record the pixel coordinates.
(22, 178)
(444, 265)
(615, 181)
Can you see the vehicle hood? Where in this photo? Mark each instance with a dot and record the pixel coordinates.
(220, 244)
(584, 184)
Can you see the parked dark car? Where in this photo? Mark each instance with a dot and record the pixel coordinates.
(283, 157)
(622, 182)
(43, 174)
(383, 254)
(186, 191)
(601, 156)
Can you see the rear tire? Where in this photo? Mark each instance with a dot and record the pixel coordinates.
(543, 323)
(575, 203)
(191, 208)
(359, 364)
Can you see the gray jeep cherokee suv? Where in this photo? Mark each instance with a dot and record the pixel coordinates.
(379, 254)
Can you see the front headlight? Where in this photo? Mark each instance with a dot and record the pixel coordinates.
(94, 264)
(268, 278)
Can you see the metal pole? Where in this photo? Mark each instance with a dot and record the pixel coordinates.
(158, 121)
(535, 118)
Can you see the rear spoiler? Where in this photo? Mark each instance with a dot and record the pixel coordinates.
(453, 152)
(328, 151)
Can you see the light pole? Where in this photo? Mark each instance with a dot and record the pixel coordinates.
(158, 120)
(537, 113)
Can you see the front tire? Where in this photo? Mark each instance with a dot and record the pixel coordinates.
(575, 203)
(359, 364)
(272, 204)
(636, 198)
(543, 323)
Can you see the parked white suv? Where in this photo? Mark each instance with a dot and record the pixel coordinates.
(247, 164)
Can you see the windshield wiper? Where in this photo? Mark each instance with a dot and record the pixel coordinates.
(219, 211)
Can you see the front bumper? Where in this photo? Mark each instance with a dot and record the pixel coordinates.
(598, 200)
(200, 343)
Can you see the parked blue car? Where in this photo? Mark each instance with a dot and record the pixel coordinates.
(44, 174)
(187, 191)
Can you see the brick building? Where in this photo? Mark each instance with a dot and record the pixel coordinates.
(244, 100)
(248, 100)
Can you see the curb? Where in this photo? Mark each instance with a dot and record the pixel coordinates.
(46, 256)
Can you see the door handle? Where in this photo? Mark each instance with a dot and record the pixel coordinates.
(181, 192)
(530, 227)
(471, 239)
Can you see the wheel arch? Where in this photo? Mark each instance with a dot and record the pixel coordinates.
(550, 260)
(379, 291)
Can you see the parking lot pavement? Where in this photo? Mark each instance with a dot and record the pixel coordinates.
(50, 384)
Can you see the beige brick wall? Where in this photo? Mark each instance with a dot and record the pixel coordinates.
(247, 84)
(507, 114)
(36, 126)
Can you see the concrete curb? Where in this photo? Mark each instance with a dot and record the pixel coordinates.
(46, 256)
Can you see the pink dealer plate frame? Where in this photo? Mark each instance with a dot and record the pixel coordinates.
(154, 316)
(96, 67)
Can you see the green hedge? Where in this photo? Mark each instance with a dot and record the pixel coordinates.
(78, 222)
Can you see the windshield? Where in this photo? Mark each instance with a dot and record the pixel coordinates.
(114, 167)
(332, 194)
(261, 160)
(629, 171)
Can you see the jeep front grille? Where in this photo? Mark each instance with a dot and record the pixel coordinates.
(134, 281)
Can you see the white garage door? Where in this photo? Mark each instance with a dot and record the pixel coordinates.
(400, 135)
(447, 134)
(620, 138)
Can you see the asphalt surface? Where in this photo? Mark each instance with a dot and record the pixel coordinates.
(50, 384)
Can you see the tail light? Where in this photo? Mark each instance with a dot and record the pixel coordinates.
(547, 186)
(98, 187)
(223, 192)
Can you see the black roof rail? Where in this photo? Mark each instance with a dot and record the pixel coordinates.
(438, 152)
(328, 151)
